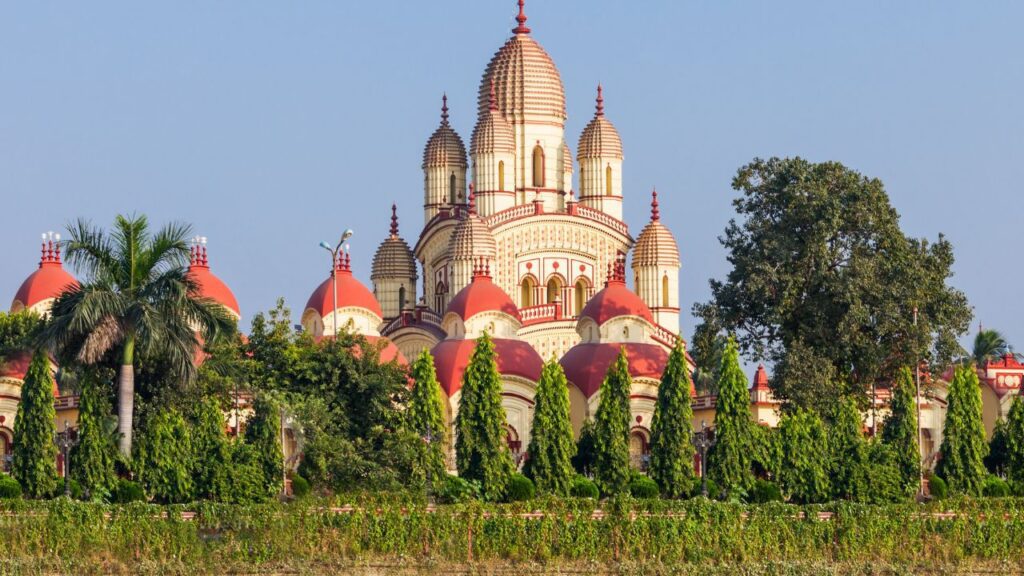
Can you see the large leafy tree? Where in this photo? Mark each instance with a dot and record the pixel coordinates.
(480, 450)
(963, 450)
(803, 463)
(164, 459)
(426, 421)
(94, 455)
(136, 301)
(611, 429)
(730, 459)
(1015, 440)
(263, 434)
(212, 451)
(549, 461)
(671, 428)
(824, 282)
(900, 432)
(17, 331)
(34, 464)
(850, 464)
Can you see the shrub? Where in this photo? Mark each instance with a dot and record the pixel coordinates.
(641, 486)
(765, 491)
(520, 488)
(9, 487)
(714, 492)
(995, 487)
(126, 491)
(1016, 488)
(583, 487)
(300, 486)
(455, 490)
(937, 487)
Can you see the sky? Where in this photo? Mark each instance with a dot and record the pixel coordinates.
(270, 126)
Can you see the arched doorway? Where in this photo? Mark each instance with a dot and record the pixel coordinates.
(639, 449)
(580, 296)
(6, 449)
(554, 289)
(527, 289)
(515, 446)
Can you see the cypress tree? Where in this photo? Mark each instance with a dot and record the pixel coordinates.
(211, 452)
(611, 429)
(671, 429)
(850, 456)
(900, 431)
(1015, 441)
(94, 455)
(549, 456)
(583, 461)
(425, 419)
(729, 461)
(803, 457)
(998, 458)
(480, 450)
(164, 457)
(263, 433)
(963, 449)
(34, 463)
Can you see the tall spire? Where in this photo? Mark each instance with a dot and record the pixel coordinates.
(444, 109)
(600, 100)
(493, 104)
(655, 213)
(521, 18)
(394, 220)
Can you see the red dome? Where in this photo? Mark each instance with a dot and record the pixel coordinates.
(514, 358)
(585, 365)
(616, 300)
(17, 365)
(213, 288)
(351, 293)
(482, 295)
(389, 351)
(47, 282)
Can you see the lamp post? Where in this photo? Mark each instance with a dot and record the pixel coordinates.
(917, 401)
(702, 441)
(334, 273)
(65, 441)
(428, 440)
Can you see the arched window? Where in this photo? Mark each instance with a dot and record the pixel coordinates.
(526, 293)
(664, 291)
(581, 296)
(538, 166)
(554, 290)
(501, 175)
(401, 298)
(451, 188)
(608, 180)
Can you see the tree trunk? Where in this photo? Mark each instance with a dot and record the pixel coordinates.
(125, 407)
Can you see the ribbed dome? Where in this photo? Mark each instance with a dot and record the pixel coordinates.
(472, 239)
(599, 139)
(526, 82)
(492, 134)
(394, 258)
(445, 147)
(566, 157)
(655, 245)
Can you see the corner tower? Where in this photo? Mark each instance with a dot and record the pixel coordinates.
(656, 269)
(444, 168)
(600, 157)
(394, 272)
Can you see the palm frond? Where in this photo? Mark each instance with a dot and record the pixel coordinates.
(167, 250)
(101, 340)
(89, 251)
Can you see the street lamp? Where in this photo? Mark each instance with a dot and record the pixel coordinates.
(917, 401)
(65, 441)
(334, 276)
(702, 440)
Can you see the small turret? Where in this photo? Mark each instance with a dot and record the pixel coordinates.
(656, 268)
(394, 272)
(444, 167)
(600, 157)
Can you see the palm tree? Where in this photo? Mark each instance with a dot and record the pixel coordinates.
(136, 301)
(989, 345)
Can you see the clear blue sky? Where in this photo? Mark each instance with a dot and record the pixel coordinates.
(273, 125)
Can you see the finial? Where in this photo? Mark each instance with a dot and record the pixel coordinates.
(521, 18)
(197, 252)
(344, 262)
(600, 100)
(394, 220)
(655, 213)
(472, 199)
(494, 100)
(51, 249)
(444, 108)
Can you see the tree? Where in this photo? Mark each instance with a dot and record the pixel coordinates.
(138, 302)
(551, 449)
(1015, 441)
(480, 450)
(989, 345)
(707, 346)
(583, 461)
(963, 450)
(263, 433)
(821, 269)
(850, 466)
(164, 459)
(34, 463)
(671, 428)
(17, 332)
(425, 419)
(94, 455)
(729, 461)
(611, 429)
(211, 451)
(900, 431)
(998, 458)
(803, 463)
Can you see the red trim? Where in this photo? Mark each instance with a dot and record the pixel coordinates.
(520, 396)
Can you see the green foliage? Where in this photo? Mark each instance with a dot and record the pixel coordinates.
(126, 491)
(426, 421)
(34, 465)
(803, 457)
(995, 487)
(480, 450)
(583, 461)
(963, 450)
(18, 331)
(262, 433)
(822, 271)
(520, 488)
(551, 447)
(641, 486)
(164, 459)
(849, 469)
(998, 458)
(900, 430)
(937, 487)
(611, 429)
(765, 491)
(455, 490)
(245, 476)
(988, 345)
(729, 461)
(9, 487)
(94, 455)
(583, 487)
(706, 347)
(300, 486)
(885, 476)
(672, 450)
(211, 451)
(1015, 441)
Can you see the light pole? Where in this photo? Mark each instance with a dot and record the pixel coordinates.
(917, 401)
(65, 442)
(334, 273)
(702, 440)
